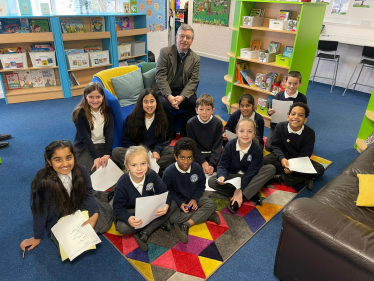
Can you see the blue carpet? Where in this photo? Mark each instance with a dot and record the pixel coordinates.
(33, 125)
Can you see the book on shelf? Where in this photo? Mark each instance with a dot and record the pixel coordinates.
(46, 47)
(3, 9)
(73, 79)
(39, 25)
(74, 51)
(49, 77)
(274, 47)
(291, 25)
(25, 26)
(37, 78)
(95, 48)
(24, 78)
(123, 23)
(134, 6)
(12, 81)
(97, 24)
(287, 53)
(248, 77)
(241, 65)
(370, 139)
(256, 45)
(70, 25)
(257, 13)
(126, 8)
(25, 7)
(261, 107)
(269, 102)
(260, 79)
(10, 25)
(284, 15)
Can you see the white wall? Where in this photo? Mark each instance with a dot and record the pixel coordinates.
(156, 41)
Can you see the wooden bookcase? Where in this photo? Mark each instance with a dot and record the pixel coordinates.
(107, 40)
(304, 41)
(367, 126)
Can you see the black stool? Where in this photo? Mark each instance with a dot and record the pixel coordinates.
(367, 60)
(323, 47)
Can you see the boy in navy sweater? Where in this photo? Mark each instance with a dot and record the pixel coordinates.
(290, 94)
(185, 180)
(293, 139)
(206, 131)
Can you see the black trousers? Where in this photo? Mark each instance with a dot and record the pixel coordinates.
(294, 177)
(188, 105)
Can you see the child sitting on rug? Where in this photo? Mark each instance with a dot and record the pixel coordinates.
(186, 180)
(293, 139)
(139, 181)
(146, 125)
(59, 189)
(242, 157)
(206, 131)
(246, 106)
(290, 94)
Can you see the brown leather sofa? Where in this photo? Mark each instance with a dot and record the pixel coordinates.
(327, 237)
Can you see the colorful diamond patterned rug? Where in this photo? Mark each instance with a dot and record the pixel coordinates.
(209, 245)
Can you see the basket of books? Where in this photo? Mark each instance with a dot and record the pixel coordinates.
(124, 51)
(99, 58)
(282, 61)
(43, 59)
(76, 61)
(14, 60)
(137, 48)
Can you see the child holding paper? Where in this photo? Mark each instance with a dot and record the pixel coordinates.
(206, 130)
(59, 189)
(242, 158)
(146, 125)
(186, 180)
(293, 139)
(139, 181)
(290, 94)
(94, 122)
(246, 106)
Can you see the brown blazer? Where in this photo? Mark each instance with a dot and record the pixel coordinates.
(167, 66)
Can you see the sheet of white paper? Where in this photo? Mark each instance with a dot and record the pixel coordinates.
(207, 188)
(146, 207)
(237, 182)
(154, 166)
(281, 109)
(230, 135)
(104, 178)
(302, 165)
(74, 238)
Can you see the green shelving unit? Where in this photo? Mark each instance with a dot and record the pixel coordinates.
(304, 41)
(367, 126)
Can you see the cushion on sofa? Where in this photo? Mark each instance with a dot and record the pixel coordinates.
(128, 87)
(149, 78)
(366, 194)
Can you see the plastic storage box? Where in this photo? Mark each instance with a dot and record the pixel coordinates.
(248, 54)
(137, 48)
(78, 61)
(266, 57)
(276, 24)
(253, 21)
(43, 59)
(283, 61)
(14, 60)
(99, 58)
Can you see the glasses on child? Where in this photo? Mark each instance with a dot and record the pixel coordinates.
(184, 37)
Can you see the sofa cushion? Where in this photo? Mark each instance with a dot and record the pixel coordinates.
(149, 78)
(128, 87)
(366, 194)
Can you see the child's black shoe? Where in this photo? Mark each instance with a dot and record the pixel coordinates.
(141, 238)
(166, 226)
(182, 231)
(309, 184)
(233, 208)
(215, 218)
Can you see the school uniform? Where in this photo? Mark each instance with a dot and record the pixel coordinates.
(246, 164)
(166, 153)
(185, 186)
(208, 137)
(237, 115)
(95, 143)
(283, 96)
(49, 217)
(290, 144)
(125, 196)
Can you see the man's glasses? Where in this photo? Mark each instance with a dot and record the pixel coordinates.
(185, 37)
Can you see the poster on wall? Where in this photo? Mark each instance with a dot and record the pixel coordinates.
(339, 7)
(156, 14)
(361, 4)
(212, 12)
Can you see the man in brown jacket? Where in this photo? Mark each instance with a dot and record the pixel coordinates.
(177, 76)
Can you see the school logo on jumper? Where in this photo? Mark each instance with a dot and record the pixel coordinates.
(149, 187)
(249, 158)
(194, 178)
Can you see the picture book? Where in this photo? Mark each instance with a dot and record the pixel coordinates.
(260, 79)
(70, 25)
(123, 23)
(10, 25)
(10, 62)
(37, 78)
(134, 6)
(291, 25)
(39, 25)
(288, 51)
(241, 65)
(44, 8)
(248, 76)
(25, 7)
(274, 47)
(49, 77)
(257, 13)
(269, 102)
(256, 45)
(25, 27)
(24, 78)
(12, 81)
(126, 8)
(97, 24)
(74, 51)
(283, 15)
(246, 21)
(370, 139)
(261, 107)
(3, 9)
